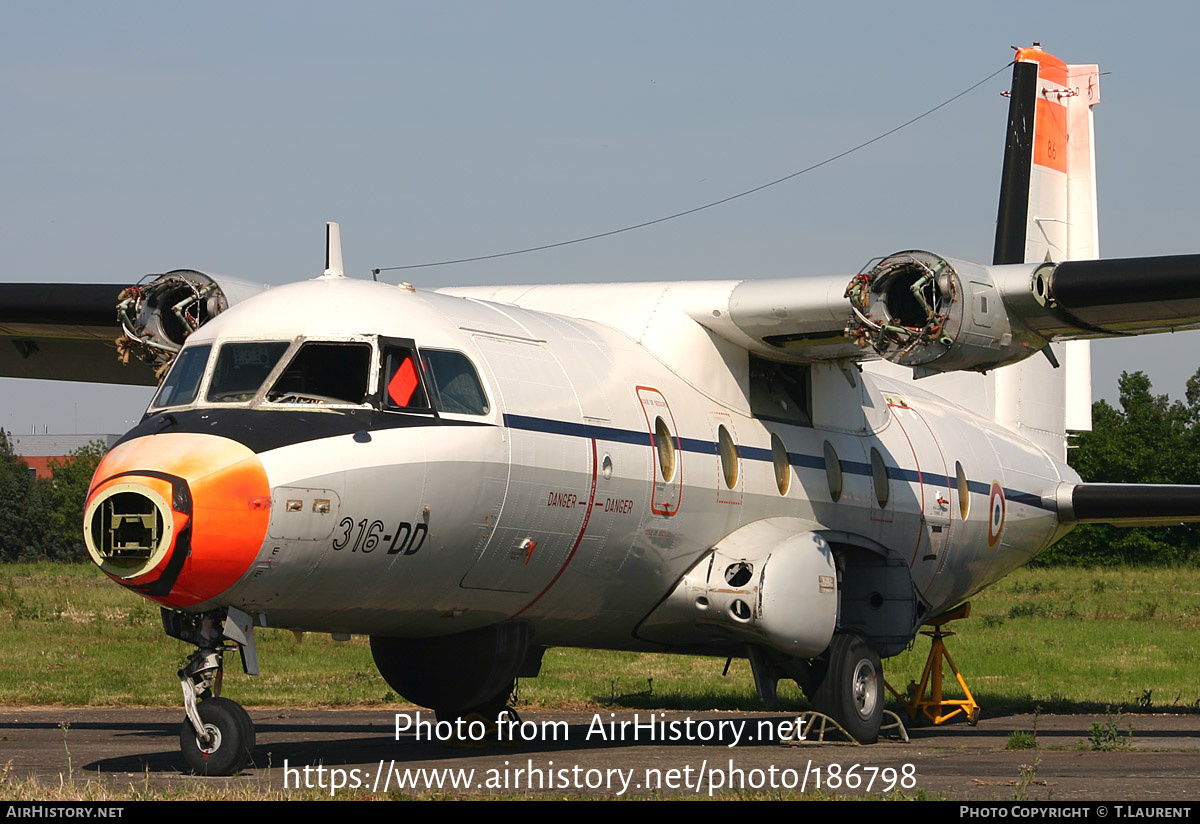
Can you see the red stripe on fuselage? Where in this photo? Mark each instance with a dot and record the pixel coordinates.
(587, 515)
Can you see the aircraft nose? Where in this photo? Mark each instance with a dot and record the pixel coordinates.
(178, 517)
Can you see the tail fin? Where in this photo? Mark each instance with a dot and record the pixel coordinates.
(1048, 212)
(1048, 191)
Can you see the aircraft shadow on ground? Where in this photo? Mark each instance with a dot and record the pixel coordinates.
(369, 743)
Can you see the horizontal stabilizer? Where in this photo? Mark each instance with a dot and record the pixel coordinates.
(1129, 504)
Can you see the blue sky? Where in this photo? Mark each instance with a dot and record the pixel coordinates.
(142, 137)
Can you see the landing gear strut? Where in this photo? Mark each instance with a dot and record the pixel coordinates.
(217, 736)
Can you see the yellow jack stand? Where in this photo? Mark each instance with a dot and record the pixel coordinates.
(936, 708)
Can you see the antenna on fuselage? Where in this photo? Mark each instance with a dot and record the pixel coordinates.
(333, 251)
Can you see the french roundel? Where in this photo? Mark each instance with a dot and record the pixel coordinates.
(995, 514)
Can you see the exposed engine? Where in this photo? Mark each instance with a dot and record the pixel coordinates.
(921, 310)
(158, 314)
(937, 314)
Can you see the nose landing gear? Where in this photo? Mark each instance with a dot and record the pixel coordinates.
(217, 736)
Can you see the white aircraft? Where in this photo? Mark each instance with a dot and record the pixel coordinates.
(747, 469)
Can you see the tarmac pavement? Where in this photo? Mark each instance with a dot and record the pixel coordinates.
(625, 753)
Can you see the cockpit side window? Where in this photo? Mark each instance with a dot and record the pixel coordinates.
(401, 381)
(325, 373)
(456, 385)
(183, 381)
(241, 369)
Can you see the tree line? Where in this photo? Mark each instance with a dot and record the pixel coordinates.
(1148, 439)
(42, 518)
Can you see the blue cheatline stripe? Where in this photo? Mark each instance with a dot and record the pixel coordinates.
(753, 453)
(806, 461)
(757, 453)
(1028, 499)
(695, 445)
(576, 430)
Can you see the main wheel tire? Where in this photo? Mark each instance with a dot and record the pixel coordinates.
(232, 741)
(453, 674)
(852, 690)
(489, 710)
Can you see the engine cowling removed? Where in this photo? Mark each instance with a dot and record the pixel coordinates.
(157, 315)
(921, 310)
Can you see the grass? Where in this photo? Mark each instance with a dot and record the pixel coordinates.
(1021, 740)
(1064, 640)
(1072, 640)
(1109, 736)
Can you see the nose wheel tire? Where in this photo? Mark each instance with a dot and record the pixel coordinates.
(852, 690)
(231, 738)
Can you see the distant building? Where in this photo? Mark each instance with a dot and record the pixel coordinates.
(39, 450)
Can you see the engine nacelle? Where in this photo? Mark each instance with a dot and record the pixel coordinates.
(933, 314)
(156, 316)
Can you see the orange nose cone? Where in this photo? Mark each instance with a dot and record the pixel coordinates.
(178, 517)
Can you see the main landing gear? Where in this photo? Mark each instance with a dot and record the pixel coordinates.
(217, 736)
(845, 683)
(463, 675)
(851, 691)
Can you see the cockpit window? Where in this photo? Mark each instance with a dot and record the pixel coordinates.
(456, 385)
(241, 369)
(183, 381)
(402, 386)
(428, 380)
(324, 373)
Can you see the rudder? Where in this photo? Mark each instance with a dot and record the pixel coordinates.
(1048, 212)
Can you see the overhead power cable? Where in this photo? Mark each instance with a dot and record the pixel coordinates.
(696, 209)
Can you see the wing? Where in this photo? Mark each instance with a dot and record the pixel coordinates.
(108, 333)
(64, 331)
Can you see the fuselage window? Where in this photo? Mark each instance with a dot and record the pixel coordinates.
(665, 445)
(401, 380)
(729, 456)
(456, 385)
(879, 478)
(241, 369)
(780, 391)
(783, 469)
(183, 381)
(324, 373)
(964, 490)
(833, 472)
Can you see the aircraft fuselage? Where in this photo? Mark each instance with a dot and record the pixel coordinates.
(573, 488)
